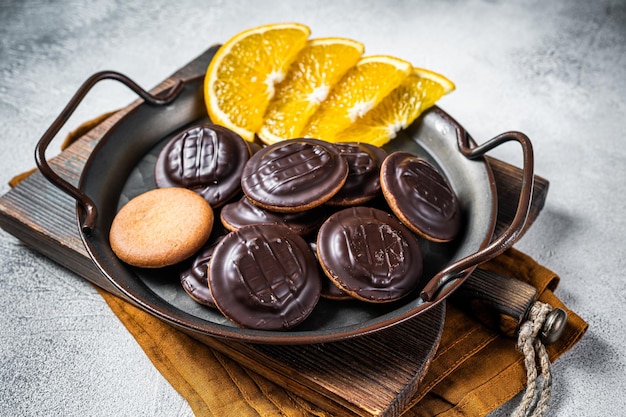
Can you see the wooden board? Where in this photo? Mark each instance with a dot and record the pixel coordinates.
(44, 218)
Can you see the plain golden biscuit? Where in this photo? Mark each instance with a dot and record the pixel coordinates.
(161, 227)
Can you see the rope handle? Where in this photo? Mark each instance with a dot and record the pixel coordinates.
(544, 325)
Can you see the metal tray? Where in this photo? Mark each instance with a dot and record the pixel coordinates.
(121, 166)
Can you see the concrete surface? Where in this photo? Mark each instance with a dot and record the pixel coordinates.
(552, 69)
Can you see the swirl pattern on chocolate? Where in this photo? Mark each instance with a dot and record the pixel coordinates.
(369, 254)
(207, 159)
(266, 277)
(294, 175)
(421, 197)
(363, 181)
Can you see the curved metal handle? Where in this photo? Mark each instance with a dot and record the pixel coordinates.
(81, 198)
(512, 233)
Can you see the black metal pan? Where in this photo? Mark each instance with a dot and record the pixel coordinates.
(121, 167)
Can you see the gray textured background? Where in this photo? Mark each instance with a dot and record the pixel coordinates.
(554, 70)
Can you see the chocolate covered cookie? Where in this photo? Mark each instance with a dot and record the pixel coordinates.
(329, 289)
(294, 175)
(363, 181)
(421, 197)
(243, 213)
(194, 278)
(207, 159)
(369, 254)
(264, 277)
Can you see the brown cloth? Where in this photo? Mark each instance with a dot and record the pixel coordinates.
(474, 371)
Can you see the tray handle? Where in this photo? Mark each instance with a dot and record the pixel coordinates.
(459, 268)
(86, 203)
(504, 303)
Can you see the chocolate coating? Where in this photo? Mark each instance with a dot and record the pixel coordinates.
(243, 212)
(369, 254)
(194, 278)
(294, 175)
(421, 197)
(329, 289)
(264, 277)
(253, 147)
(363, 182)
(207, 159)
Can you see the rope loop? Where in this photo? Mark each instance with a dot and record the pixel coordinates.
(535, 401)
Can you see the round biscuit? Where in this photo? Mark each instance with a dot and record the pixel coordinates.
(161, 227)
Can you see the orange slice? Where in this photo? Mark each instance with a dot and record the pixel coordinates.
(241, 78)
(399, 109)
(318, 67)
(359, 91)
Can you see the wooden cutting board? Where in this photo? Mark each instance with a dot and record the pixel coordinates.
(388, 365)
